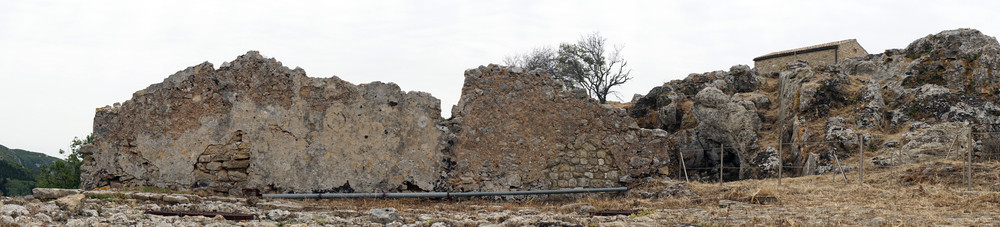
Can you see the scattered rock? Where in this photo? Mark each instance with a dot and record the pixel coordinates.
(175, 199)
(52, 193)
(383, 215)
(71, 203)
(6, 219)
(729, 203)
(90, 213)
(13, 210)
(278, 215)
(572, 207)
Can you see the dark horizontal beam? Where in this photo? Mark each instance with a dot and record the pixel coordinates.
(810, 50)
(436, 194)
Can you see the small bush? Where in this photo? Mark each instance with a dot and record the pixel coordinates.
(991, 148)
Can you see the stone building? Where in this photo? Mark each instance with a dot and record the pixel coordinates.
(822, 54)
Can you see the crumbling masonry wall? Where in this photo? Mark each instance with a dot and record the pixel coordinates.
(523, 130)
(255, 124)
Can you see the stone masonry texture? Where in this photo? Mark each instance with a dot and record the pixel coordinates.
(255, 124)
(523, 130)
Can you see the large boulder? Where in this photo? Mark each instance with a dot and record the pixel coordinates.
(667, 106)
(255, 124)
(727, 121)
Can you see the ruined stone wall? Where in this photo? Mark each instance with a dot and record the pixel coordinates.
(522, 130)
(255, 124)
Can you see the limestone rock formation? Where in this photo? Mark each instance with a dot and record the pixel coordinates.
(820, 111)
(255, 124)
(524, 130)
(727, 122)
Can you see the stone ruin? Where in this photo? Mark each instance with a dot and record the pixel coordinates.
(253, 124)
(522, 130)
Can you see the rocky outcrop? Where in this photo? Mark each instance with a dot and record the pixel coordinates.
(523, 130)
(708, 111)
(255, 124)
(725, 121)
(822, 111)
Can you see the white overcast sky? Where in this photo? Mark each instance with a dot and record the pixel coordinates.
(59, 60)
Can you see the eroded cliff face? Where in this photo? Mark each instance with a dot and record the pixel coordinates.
(255, 124)
(522, 130)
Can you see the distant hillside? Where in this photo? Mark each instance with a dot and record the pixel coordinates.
(27, 159)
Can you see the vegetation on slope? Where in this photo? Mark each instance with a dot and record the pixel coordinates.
(21, 170)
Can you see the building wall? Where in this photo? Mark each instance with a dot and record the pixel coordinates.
(850, 50)
(822, 57)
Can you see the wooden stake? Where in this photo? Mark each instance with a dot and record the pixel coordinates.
(861, 160)
(841, 168)
(683, 165)
(897, 156)
(780, 162)
(833, 174)
(722, 149)
(950, 148)
(892, 162)
(968, 178)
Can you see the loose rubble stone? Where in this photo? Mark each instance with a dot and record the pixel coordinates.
(278, 214)
(52, 193)
(175, 199)
(13, 210)
(383, 215)
(71, 203)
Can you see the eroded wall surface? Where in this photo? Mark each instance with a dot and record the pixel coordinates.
(255, 124)
(522, 130)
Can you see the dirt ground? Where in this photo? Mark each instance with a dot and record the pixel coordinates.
(932, 193)
(929, 193)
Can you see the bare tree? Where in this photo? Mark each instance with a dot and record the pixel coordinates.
(584, 65)
(543, 58)
(591, 68)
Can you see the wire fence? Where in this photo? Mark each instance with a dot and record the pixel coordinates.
(962, 147)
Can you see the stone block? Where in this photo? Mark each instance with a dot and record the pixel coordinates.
(236, 164)
(213, 166)
(241, 156)
(237, 176)
(204, 158)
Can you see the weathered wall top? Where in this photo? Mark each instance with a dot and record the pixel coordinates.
(256, 124)
(523, 130)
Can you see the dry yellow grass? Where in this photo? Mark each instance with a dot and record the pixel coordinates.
(930, 193)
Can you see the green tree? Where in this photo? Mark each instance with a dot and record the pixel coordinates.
(14, 178)
(65, 173)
